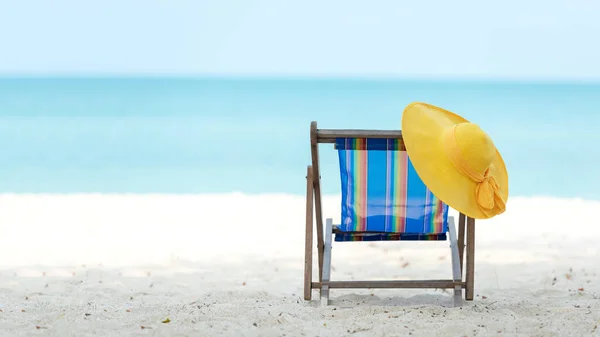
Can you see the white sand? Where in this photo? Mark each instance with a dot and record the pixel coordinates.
(105, 265)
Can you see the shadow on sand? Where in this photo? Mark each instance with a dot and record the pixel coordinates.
(353, 300)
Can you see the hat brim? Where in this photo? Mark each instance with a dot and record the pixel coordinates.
(422, 127)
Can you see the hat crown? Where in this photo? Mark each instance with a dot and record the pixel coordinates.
(476, 147)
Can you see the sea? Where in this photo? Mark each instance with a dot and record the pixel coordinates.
(251, 135)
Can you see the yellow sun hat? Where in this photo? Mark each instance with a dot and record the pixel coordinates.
(456, 160)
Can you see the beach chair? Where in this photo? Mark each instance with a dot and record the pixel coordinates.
(382, 199)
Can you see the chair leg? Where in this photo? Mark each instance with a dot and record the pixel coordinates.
(326, 262)
(470, 275)
(456, 272)
(461, 240)
(308, 245)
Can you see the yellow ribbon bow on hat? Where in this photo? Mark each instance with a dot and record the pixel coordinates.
(487, 191)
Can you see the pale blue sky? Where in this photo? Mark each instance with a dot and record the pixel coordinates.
(440, 39)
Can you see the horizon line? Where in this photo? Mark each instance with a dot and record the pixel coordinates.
(307, 77)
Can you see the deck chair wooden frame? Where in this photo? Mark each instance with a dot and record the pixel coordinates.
(463, 278)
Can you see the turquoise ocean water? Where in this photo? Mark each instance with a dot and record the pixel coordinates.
(116, 135)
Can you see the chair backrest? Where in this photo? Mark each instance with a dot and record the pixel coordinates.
(381, 191)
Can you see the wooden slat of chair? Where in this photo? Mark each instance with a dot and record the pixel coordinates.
(308, 246)
(387, 284)
(314, 149)
(470, 277)
(461, 240)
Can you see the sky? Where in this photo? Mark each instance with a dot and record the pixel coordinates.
(510, 39)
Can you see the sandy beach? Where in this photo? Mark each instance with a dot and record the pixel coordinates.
(167, 265)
